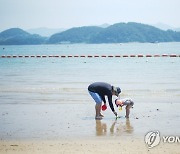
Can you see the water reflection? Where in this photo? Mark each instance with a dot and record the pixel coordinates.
(117, 128)
(121, 128)
(101, 128)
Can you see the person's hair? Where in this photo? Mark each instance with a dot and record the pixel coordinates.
(115, 102)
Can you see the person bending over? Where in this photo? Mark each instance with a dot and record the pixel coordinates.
(98, 91)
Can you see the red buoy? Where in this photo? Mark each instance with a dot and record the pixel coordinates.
(140, 56)
(173, 55)
(165, 55)
(132, 55)
(103, 56)
(156, 55)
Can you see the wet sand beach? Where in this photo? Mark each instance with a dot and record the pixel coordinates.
(71, 128)
(62, 121)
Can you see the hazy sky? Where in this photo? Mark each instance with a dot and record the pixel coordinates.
(27, 14)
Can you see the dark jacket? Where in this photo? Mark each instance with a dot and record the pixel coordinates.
(103, 89)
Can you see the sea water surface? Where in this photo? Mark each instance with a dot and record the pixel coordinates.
(48, 97)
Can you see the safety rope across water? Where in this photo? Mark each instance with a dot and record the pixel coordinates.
(88, 56)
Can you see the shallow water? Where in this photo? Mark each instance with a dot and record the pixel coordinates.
(54, 80)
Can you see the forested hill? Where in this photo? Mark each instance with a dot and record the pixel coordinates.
(17, 36)
(76, 35)
(117, 33)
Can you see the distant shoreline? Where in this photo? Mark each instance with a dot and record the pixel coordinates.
(89, 43)
(116, 33)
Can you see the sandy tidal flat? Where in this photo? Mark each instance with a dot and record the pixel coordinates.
(83, 146)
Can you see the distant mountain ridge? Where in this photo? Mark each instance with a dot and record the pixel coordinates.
(17, 36)
(166, 27)
(75, 35)
(116, 33)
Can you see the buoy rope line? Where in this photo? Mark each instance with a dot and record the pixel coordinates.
(87, 56)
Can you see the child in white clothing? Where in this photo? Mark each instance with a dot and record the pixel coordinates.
(122, 102)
